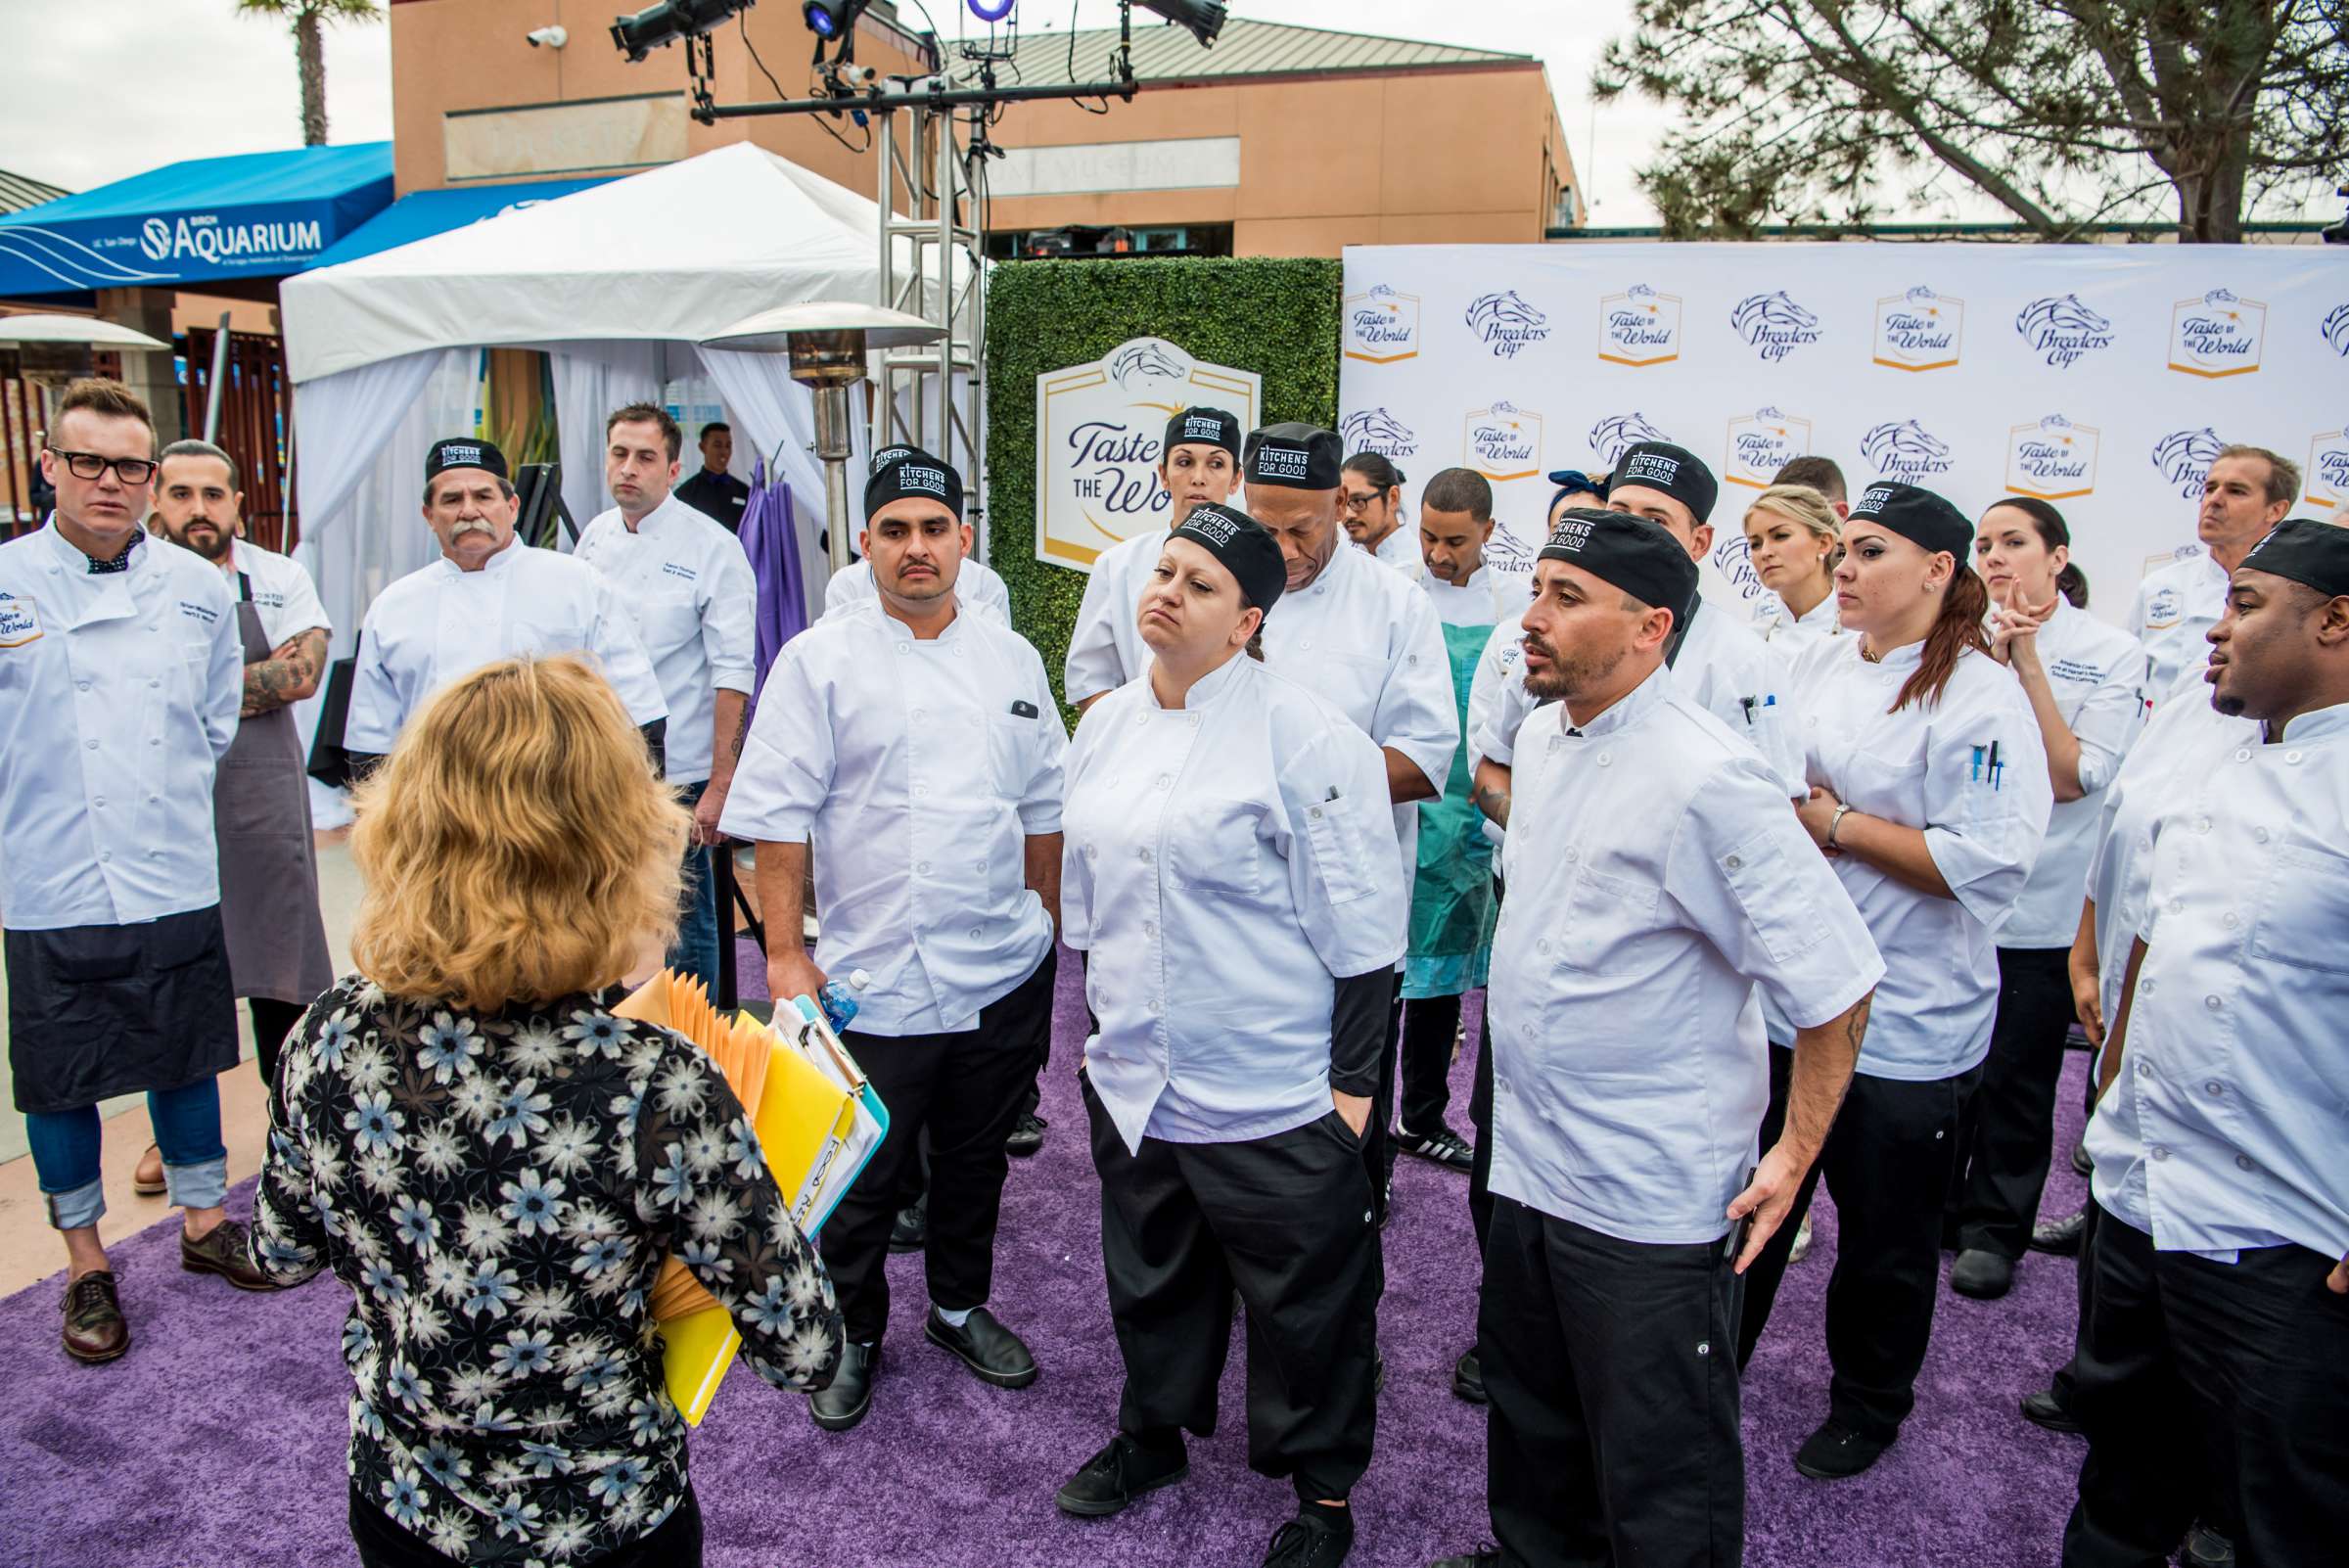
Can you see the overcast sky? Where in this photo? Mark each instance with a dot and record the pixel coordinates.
(113, 88)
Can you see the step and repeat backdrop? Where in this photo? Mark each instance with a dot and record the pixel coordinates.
(2100, 378)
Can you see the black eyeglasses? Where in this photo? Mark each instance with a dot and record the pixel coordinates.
(90, 466)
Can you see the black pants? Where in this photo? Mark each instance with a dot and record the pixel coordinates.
(272, 1021)
(1286, 1221)
(1379, 1145)
(382, 1543)
(1430, 1026)
(2008, 1131)
(965, 1089)
(1611, 1436)
(1479, 1114)
(2258, 1348)
(1887, 1164)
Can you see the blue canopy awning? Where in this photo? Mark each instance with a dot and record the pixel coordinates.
(423, 213)
(258, 216)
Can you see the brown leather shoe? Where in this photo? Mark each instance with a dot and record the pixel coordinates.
(150, 1185)
(95, 1330)
(226, 1250)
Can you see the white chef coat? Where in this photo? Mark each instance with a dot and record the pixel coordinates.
(978, 588)
(1224, 865)
(2175, 606)
(2181, 738)
(2229, 1122)
(908, 767)
(1725, 667)
(2097, 672)
(283, 594)
(1982, 827)
(118, 693)
(1367, 639)
(1656, 877)
(1399, 549)
(438, 624)
(1502, 662)
(688, 590)
(1485, 599)
(1106, 648)
(1792, 633)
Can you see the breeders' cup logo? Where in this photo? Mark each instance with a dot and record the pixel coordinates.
(2053, 459)
(1374, 429)
(2184, 457)
(1618, 434)
(1905, 450)
(1919, 330)
(2335, 331)
(1100, 430)
(1507, 554)
(1504, 323)
(2060, 329)
(1639, 327)
(1502, 443)
(2217, 335)
(1382, 326)
(1773, 324)
(1761, 443)
(2327, 482)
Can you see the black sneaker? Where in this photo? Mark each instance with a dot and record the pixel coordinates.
(2061, 1238)
(1317, 1538)
(994, 1353)
(911, 1230)
(843, 1401)
(1836, 1453)
(2043, 1410)
(1981, 1273)
(1444, 1146)
(2205, 1547)
(1468, 1378)
(1026, 1136)
(1109, 1481)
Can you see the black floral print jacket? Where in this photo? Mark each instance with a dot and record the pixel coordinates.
(499, 1190)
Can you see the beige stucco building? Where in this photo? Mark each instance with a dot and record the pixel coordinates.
(1277, 141)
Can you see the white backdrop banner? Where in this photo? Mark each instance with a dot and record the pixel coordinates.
(2102, 378)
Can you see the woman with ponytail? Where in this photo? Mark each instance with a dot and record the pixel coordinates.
(1930, 795)
(2083, 680)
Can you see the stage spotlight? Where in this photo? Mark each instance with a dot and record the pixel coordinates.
(657, 26)
(830, 19)
(1204, 18)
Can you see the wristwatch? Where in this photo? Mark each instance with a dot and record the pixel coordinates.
(1833, 822)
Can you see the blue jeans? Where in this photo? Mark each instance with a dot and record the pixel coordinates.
(187, 1129)
(695, 951)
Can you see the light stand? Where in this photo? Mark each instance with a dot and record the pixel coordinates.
(828, 344)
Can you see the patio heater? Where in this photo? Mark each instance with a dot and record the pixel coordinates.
(828, 342)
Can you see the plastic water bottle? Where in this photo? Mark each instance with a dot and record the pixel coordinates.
(839, 1001)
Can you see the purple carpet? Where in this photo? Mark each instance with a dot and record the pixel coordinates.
(219, 1438)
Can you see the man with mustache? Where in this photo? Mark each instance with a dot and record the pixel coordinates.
(488, 597)
(277, 951)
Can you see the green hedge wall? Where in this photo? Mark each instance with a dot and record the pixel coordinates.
(1278, 318)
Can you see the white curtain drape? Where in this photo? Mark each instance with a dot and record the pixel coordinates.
(591, 379)
(778, 415)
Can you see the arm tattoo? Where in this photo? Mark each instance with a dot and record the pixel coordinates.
(1854, 1023)
(1495, 803)
(290, 667)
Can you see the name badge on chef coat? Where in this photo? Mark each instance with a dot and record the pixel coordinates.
(20, 623)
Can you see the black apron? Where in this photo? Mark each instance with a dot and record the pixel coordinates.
(268, 871)
(97, 1011)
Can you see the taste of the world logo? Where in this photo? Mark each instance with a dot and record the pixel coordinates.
(1761, 443)
(1504, 323)
(2060, 329)
(2327, 481)
(2217, 335)
(1618, 434)
(1374, 429)
(1382, 326)
(1919, 330)
(1639, 327)
(1773, 324)
(2051, 458)
(1905, 450)
(2184, 457)
(1502, 443)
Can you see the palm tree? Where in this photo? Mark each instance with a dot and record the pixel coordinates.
(307, 18)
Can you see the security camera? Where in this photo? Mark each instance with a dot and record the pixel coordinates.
(552, 37)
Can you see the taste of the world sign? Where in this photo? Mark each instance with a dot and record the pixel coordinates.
(1099, 426)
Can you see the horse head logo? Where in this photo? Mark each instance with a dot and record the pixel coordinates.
(1618, 434)
(1905, 446)
(1374, 429)
(2336, 331)
(1503, 309)
(1757, 314)
(2184, 457)
(1148, 357)
(1507, 554)
(2062, 313)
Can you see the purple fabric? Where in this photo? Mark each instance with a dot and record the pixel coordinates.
(219, 1438)
(769, 535)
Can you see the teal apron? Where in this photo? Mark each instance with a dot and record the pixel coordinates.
(1452, 904)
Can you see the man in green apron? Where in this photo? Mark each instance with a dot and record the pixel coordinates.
(1451, 902)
